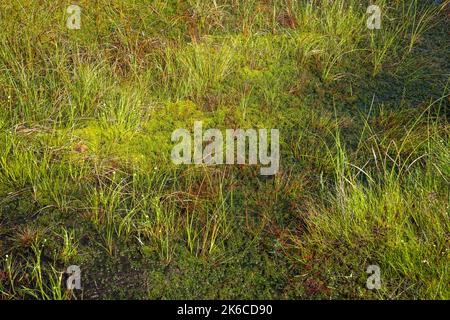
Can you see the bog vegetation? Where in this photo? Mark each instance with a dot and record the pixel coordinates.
(86, 118)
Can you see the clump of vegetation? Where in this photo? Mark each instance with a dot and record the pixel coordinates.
(86, 176)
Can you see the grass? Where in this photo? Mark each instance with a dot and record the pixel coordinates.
(86, 176)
